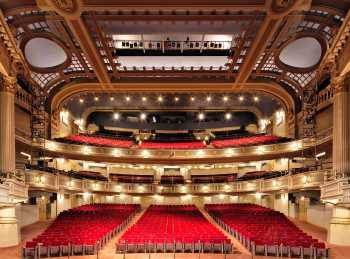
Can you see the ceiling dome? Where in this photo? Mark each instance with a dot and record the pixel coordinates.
(301, 53)
(44, 53)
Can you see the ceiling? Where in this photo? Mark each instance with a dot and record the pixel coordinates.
(67, 42)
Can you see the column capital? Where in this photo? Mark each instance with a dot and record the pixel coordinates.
(341, 83)
(8, 84)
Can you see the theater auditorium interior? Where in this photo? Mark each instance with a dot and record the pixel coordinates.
(180, 129)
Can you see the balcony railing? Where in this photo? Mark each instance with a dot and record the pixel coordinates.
(236, 153)
(54, 182)
(336, 189)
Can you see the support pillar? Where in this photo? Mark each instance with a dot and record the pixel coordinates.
(7, 124)
(341, 125)
(9, 230)
(339, 228)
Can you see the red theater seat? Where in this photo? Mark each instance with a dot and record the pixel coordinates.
(81, 230)
(99, 141)
(172, 145)
(246, 141)
(173, 228)
(265, 231)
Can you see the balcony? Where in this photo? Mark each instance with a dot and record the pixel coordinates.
(54, 182)
(13, 188)
(337, 190)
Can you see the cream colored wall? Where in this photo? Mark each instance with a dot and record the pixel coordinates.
(281, 203)
(319, 215)
(27, 214)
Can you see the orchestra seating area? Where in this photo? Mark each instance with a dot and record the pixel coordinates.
(265, 231)
(173, 228)
(82, 230)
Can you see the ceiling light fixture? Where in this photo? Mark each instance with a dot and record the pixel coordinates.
(144, 98)
(228, 116)
(96, 98)
(201, 116)
(225, 98)
(176, 99)
(241, 98)
(111, 98)
(192, 98)
(81, 100)
(160, 99)
(143, 116)
(256, 99)
(127, 98)
(116, 115)
(208, 98)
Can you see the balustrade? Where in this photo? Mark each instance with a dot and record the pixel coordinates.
(43, 180)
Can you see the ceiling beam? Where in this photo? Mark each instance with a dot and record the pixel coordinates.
(337, 57)
(269, 27)
(71, 13)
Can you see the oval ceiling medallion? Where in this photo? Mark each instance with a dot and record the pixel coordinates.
(45, 54)
(302, 54)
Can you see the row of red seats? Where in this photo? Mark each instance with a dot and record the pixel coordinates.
(172, 145)
(172, 224)
(246, 141)
(262, 226)
(100, 141)
(84, 225)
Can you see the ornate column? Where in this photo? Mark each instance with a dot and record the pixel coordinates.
(9, 230)
(341, 125)
(339, 228)
(7, 123)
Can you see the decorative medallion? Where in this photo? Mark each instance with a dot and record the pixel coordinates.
(67, 6)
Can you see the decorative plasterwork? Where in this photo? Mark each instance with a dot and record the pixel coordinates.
(8, 84)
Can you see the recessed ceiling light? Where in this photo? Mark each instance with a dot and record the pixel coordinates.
(143, 116)
(176, 99)
(160, 98)
(228, 116)
(144, 98)
(111, 98)
(192, 98)
(241, 98)
(127, 98)
(208, 98)
(96, 98)
(201, 116)
(256, 98)
(116, 115)
(225, 98)
(81, 100)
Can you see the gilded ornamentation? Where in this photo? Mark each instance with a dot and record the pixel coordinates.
(67, 6)
(280, 6)
(8, 84)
